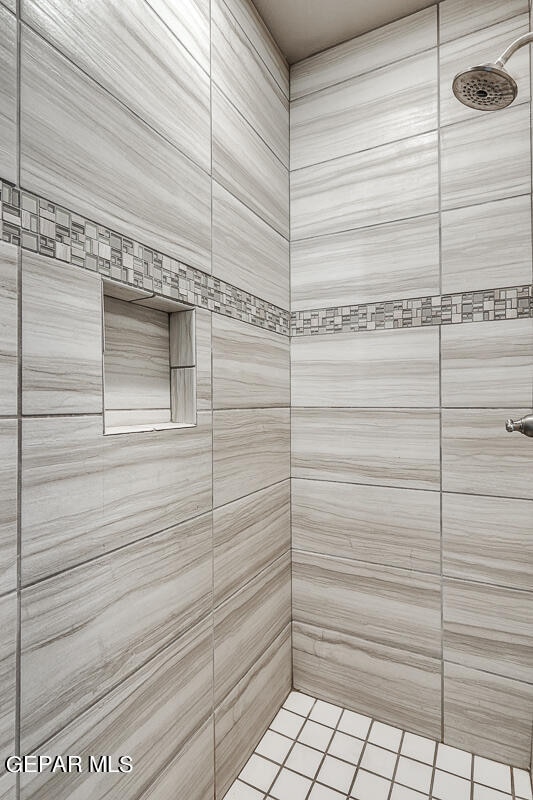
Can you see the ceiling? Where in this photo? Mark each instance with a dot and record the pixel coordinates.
(304, 27)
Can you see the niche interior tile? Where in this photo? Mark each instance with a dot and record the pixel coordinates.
(354, 445)
(251, 366)
(61, 372)
(378, 368)
(399, 687)
(393, 42)
(71, 154)
(8, 329)
(398, 259)
(487, 365)
(203, 359)
(79, 637)
(249, 534)
(132, 53)
(458, 19)
(8, 95)
(485, 159)
(247, 167)
(480, 457)
(487, 539)
(243, 716)
(487, 258)
(394, 181)
(366, 111)
(8, 645)
(258, 96)
(141, 710)
(487, 44)
(382, 604)
(250, 451)
(8, 504)
(247, 251)
(488, 627)
(489, 713)
(189, 23)
(246, 624)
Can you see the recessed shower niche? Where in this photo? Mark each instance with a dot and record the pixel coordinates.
(149, 361)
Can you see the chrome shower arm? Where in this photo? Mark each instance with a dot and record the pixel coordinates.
(526, 38)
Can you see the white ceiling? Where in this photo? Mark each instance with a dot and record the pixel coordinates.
(304, 27)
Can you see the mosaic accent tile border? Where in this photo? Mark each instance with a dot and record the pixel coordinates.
(52, 230)
(487, 305)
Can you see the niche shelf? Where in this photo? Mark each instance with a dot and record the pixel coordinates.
(149, 361)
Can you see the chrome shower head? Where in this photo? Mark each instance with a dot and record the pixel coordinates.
(487, 87)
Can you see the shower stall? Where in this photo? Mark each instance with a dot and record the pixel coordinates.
(265, 329)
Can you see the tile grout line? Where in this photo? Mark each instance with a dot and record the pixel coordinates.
(18, 641)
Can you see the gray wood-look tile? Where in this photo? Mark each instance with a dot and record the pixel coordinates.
(488, 539)
(396, 686)
(385, 447)
(397, 527)
(365, 53)
(136, 357)
(395, 260)
(486, 158)
(79, 636)
(488, 714)
(394, 181)
(480, 457)
(244, 715)
(131, 52)
(8, 95)
(376, 368)
(487, 365)
(251, 450)
(61, 338)
(247, 167)
(8, 504)
(181, 331)
(391, 103)
(137, 183)
(487, 245)
(247, 251)
(8, 329)
(247, 623)
(8, 647)
(480, 47)
(11, 5)
(489, 628)
(386, 605)
(183, 395)
(83, 493)
(239, 72)
(189, 22)
(251, 366)
(203, 359)
(139, 718)
(458, 18)
(249, 534)
(261, 38)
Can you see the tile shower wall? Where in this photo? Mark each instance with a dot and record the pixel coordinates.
(137, 621)
(412, 340)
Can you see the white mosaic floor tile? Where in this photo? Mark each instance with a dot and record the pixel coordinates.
(304, 759)
(450, 787)
(385, 736)
(413, 774)
(322, 752)
(299, 703)
(346, 747)
(337, 774)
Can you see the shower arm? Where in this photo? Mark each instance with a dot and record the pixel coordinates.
(527, 38)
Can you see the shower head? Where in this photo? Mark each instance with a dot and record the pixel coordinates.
(487, 87)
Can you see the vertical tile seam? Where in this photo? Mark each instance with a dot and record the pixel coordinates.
(213, 726)
(531, 229)
(18, 643)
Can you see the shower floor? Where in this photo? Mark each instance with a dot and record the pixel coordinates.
(318, 751)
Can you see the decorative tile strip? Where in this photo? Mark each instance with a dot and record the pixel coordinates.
(485, 305)
(47, 228)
